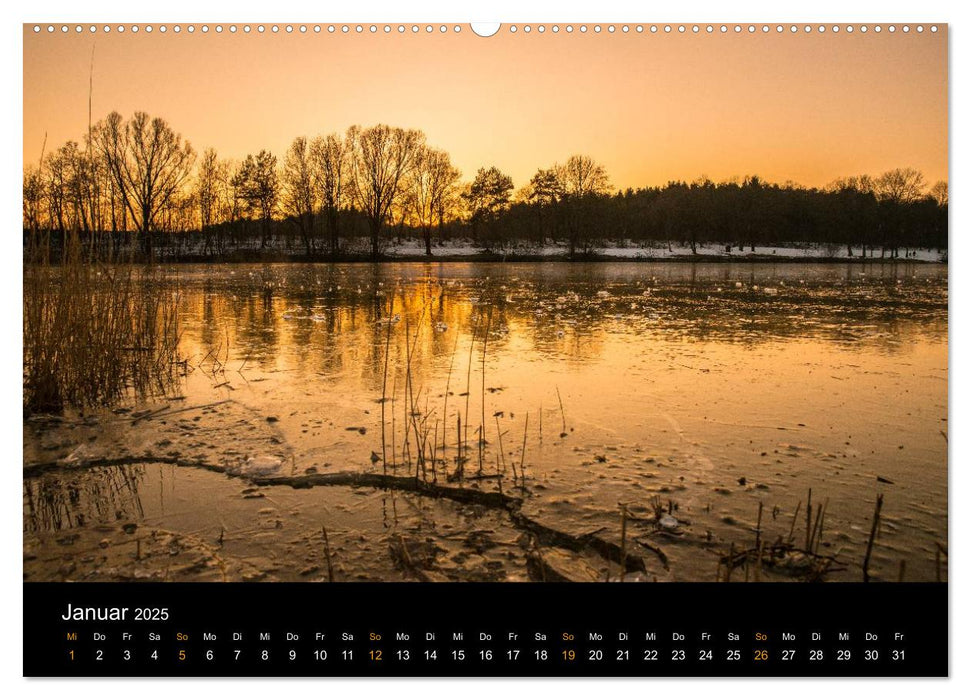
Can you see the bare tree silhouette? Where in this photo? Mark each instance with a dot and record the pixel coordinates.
(140, 181)
(301, 189)
(148, 162)
(381, 159)
(330, 155)
(431, 179)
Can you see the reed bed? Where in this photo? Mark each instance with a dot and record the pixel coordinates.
(415, 431)
(805, 561)
(96, 329)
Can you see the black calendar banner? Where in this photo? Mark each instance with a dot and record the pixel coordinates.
(485, 630)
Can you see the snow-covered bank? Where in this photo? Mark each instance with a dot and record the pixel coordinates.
(414, 248)
(281, 249)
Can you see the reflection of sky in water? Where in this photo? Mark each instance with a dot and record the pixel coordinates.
(317, 316)
(99, 496)
(685, 378)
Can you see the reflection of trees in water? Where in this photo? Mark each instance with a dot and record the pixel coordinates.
(332, 319)
(59, 501)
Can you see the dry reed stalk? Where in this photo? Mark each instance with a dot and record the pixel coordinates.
(468, 391)
(448, 384)
(394, 458)
(485, 344)
(411, 406)
(479, 439)
(623, 541)
(459, 467)
(406, 439)
(873, 536)
(502, 454)
(792, 526)
(330, 565)
(435, 451)
(522, 455)
(384, 388)
(809, 513)
(817, 534)
(758, 529)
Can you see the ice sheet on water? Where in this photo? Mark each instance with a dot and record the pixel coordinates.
(259, 465)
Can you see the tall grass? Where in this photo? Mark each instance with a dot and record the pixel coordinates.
(96, 329)
(419, 449)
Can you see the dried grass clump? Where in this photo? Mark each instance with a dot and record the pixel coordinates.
(95, 328)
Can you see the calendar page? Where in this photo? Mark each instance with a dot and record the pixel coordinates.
(514, 349)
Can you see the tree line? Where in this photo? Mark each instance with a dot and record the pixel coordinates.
(139, 182)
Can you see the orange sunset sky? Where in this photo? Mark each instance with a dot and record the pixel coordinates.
(650, 107)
